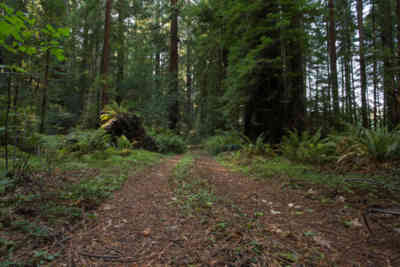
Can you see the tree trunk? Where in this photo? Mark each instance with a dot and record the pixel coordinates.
(84, 68)
(43, 105)
(173, 68)
(396, 100)
(106, 53)
(374, 66)
(121, 52)
(157, 47)
(333, 57)
(364, 109)
(387, 41)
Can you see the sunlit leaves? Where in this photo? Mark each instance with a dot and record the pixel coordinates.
(18, 35)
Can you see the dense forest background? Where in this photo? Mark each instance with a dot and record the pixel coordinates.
(301, 95)
(197, 67)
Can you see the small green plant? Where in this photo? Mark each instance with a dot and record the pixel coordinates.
(170, 143)
(192, 193)
(308, 147)
(42, 256)
(123, 143)
(228, 141)
(84, 142)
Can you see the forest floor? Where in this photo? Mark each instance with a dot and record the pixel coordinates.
(190, 210)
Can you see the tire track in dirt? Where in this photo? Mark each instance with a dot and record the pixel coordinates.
(130, 228)
(251, 223)
(289, 224)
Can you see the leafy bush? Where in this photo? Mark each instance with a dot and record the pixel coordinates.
(170, 143)
(259, 148)
(87, 141)
(224, 142)
(308, 147)
(123, 143)
(378, 145)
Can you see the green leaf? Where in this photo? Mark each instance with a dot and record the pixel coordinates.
(64, 31)
(50, 28)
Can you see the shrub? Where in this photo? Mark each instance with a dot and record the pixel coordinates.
(259, 148)
(123, 143)
(308, 147)
(227, 141)
(88, 141)
(170, 143)
(378, 145)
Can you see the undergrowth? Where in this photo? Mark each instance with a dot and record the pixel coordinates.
(193, 194)
(59, 185)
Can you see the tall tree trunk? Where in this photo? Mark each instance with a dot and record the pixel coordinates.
(121, 51)
(43, 105)
(106, 53)
(387, 41)
(157, 47)
(333, 57)
(364, 109)
(374, 65)
(396, 100)
(189, 84)
(84, 68)
(173, 68)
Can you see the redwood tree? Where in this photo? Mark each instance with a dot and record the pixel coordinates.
(106, 52)
(364, 109)
(173, 68)
(332, 56)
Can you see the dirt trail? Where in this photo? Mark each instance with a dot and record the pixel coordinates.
(242, 222)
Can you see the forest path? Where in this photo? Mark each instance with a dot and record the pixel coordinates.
(212, 216)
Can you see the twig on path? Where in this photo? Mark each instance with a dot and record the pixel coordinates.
(108, 258)
(99, 256)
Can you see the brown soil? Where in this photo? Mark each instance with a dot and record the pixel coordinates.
(251, 223)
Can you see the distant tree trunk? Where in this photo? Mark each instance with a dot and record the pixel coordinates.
(173, 68)
(364, 109)
(387, 42)
(84, 68)
(7, 120)
(297, 106)
(121, 52)
(106, 53)
(374, 65)
(157, 46)
(189, 84)
(396, 100)
(43, 105)
(347, 60)
(333, 57)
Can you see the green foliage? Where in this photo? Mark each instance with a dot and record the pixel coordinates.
(17, 27)
(380, 144)
(170, 142)
(258, 148)
(226, 141)
(193, 194)
(361, 146)
(124, 143)
(111, 112)
(308, 147)
(84, 142)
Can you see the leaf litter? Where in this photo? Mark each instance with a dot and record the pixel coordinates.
(250, 223)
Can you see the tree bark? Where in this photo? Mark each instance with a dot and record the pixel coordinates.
(396, 100)
(121, 52)
(173, 68)
(106, 53)
(387, 41)
(333, 57)
(374, 65)
(43, 105)
(364, 109)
